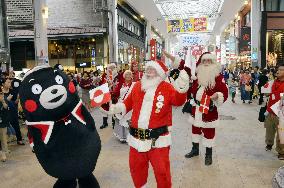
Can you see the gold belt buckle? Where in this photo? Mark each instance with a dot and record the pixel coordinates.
(141, 134)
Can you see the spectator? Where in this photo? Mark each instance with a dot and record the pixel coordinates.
(4, 123)
(233, 88)
(86, 84)
(272, 121)
(263, 79)
(245, 79)
(13, 109)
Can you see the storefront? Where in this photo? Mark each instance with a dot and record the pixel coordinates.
(67, 49)
(272, 40)
(131, 35)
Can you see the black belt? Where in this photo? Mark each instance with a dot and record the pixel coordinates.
(148, 134)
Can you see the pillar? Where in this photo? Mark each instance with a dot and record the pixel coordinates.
(4, 39)
(40, 31)
(113, 32)
(255, 33)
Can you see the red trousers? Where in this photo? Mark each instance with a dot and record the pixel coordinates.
(159, 159)
(208, 136)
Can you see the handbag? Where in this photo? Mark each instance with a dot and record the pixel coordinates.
(261, 114)
(187, 108)
(248, 88)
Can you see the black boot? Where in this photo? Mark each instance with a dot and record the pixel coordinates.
(65, 183)
(194, 151)
(88, 182)
(104, 123)
(208, 156)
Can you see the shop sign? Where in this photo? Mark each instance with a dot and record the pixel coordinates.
(83, 65)
(245, 39)
(193, 39)
(153, 49)
(188, 25)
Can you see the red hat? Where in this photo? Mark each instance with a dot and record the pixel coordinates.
(160, 67)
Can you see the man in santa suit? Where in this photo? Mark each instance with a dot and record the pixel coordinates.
(207, 93)
(137, 75)
(151, 100)
(113, 78)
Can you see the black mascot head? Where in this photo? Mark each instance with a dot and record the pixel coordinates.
(47, 94)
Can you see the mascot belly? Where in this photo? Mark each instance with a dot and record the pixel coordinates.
(60, 129)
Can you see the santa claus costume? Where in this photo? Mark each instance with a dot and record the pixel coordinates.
(137, 75)
(113, 79)
(122, 121)
(151, 100)
(207, 93)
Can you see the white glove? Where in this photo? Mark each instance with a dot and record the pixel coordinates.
(181, 84)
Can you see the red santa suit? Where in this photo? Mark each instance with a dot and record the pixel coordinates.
(206, 122)
(204, 112)
(152, 111)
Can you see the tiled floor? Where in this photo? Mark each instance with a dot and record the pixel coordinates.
(239, 158)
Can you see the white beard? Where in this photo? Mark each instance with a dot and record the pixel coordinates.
(150, 83)
(206, 75)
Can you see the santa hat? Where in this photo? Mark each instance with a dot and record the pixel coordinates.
(160, 67)
(35, 69)
(205, 55)
(126, 72)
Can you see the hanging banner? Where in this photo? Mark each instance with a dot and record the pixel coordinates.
(188, 25)
(153, 49)
(245, 39)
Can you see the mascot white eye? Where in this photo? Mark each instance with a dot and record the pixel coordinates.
(36, 89)
(59, 79)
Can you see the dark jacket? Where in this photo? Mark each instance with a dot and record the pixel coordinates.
(4, 117)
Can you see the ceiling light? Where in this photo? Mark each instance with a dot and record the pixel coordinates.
(156, 30)
(246, 2)
(141, 16)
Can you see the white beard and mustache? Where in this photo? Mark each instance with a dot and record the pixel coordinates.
(206, 75)
(147, 83)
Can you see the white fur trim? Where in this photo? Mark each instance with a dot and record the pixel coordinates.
(158, 68)
(37, 68)
(195, 138)
(176, 62)
(146, 145)
(170, 128)
(193, 77)
(220, 99)
(144, 186)
(200, 93)
(146, 108)
(209, 143)
(209, 56)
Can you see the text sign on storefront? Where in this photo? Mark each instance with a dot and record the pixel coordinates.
(153, 49)
(83, 65)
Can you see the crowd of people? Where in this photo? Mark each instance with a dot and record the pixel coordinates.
(248, 82)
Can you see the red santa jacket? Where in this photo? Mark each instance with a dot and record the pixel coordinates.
(153, 109)
(195, 94)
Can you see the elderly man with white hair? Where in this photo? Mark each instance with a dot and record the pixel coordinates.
(207, 93)
(151, 101)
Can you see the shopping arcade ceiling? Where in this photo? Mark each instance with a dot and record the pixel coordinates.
(182, 9)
